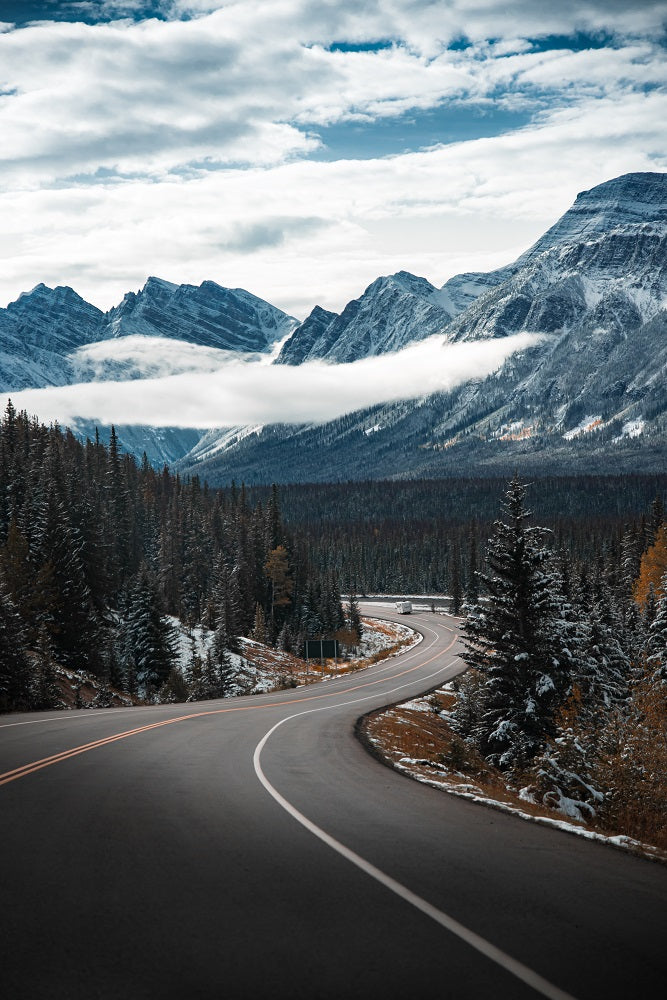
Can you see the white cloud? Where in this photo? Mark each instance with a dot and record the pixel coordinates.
(463, 206)
(245, 83)
(182, 148)
(249, 393)
(138, 356)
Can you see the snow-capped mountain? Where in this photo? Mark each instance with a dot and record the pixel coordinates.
(229, 319)
(593, 393)
(393, 311)
(43, 332)
(51, 336)
(604, 260)
(39, 331)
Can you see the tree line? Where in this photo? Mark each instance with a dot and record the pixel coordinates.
(429, 536)
(97, 552)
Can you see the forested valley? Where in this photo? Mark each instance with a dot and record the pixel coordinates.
(99, 556)
(430, 536)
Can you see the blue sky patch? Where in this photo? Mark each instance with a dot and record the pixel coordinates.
(413, 131)
(377, 46)
(21, 12)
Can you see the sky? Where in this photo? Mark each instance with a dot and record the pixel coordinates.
(301, 149)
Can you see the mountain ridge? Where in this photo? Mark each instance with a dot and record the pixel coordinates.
(594, 391)
(594, 284)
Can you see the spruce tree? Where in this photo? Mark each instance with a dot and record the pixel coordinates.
(45, 692)
(150, 642)
(354, 618)
(472, 588)
(14, 671)
(657, 640)
(519, 639)
(455, 587)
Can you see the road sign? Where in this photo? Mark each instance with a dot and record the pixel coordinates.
(320, 649)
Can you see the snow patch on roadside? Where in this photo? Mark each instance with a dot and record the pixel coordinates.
(448, 780)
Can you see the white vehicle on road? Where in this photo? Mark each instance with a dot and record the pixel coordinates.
(404, 607)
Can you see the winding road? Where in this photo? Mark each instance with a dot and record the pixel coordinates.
(252, 848)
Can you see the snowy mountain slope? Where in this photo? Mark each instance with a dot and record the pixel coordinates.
(210, 315)
(457, 294)
(39, 331)
(623, 271)
(596, 284)
(392, 312)
(51, 336)
(304, 342)
(625, 201)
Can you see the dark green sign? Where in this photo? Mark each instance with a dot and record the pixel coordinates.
(320, 649)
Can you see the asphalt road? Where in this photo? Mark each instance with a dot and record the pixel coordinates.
(253, 849)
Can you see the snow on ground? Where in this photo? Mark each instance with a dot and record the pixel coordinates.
(259, 668)
(631, 429)
(254, 670)
(378, 636)
(197, 640)
(587, 425)
(393, 731)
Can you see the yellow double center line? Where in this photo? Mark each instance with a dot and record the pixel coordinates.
(38, 765)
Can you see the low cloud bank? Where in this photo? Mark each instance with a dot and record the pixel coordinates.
(137, 356)
(246, 392)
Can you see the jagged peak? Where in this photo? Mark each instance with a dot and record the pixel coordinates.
(154, 283)
(59, 293)
(408, 282)
(319, 312)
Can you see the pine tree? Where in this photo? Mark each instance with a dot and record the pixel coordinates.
(565, 770)
(354, 618)
(519, 640)
(655, 520)
(605, 677)
(14, 671)
(282, 585)
(472, 589)
(45, 693)
(62, 592)
(455, 586)
(259, 627)
(149, 637)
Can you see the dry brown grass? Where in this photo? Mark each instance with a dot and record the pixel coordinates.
(633, 769)
(423, 743)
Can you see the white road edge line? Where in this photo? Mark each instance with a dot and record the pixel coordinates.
(480, 944)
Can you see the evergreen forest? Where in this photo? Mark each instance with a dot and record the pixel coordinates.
(567, 695)
(99, 556)
(430, 536)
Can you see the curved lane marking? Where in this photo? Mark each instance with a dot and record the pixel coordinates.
(38, 765)
(84, 716)
(480, 944)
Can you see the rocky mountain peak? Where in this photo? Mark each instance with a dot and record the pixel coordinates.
(629, 200)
